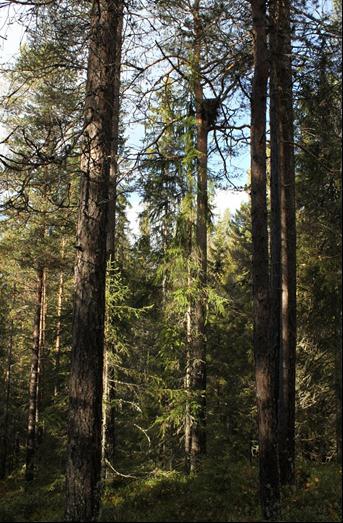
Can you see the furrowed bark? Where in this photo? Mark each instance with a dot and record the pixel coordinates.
(83, 479)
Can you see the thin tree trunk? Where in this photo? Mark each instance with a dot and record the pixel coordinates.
(198, 356)
(188, 421)
(41, 361)
(283, 150)
(59, 324)
(108, 423)
(5, 438)
(338, 386)
(109, 439)
(111, 218)
(104, 416)
(58, 332)
(264, 357)
(34, 381)
(83, 479)
(275, 223)
(188, 250)
(111, 426)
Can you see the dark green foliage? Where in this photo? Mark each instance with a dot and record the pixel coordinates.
(319, 199)
(231, 365)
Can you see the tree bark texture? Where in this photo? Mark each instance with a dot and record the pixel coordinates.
(34, 380)
(83, 478)
(282, 153)
(264, 356)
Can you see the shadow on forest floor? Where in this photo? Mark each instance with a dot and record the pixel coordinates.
(43, 498)
(172, 496)
(222, 492)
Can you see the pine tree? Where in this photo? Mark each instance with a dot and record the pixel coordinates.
(283, 236)
(265, 358)
(83, 488)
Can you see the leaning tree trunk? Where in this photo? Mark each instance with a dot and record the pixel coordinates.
(283, 150)
(264, 356)
(34, 380)
(83, 479)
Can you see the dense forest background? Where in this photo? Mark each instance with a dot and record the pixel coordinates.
(138, 369)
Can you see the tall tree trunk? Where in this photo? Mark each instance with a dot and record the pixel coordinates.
(59, 325)
(283, 151)
(34, 380)
(189, 331)
(5, 437)
(275, 223)
(264, 356)
(109, 439)
(83, 479)
(198, 349)
(188, 252)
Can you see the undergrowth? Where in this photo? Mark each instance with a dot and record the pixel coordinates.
(223, 491)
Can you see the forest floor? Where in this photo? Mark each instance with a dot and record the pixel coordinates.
(222, 492)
